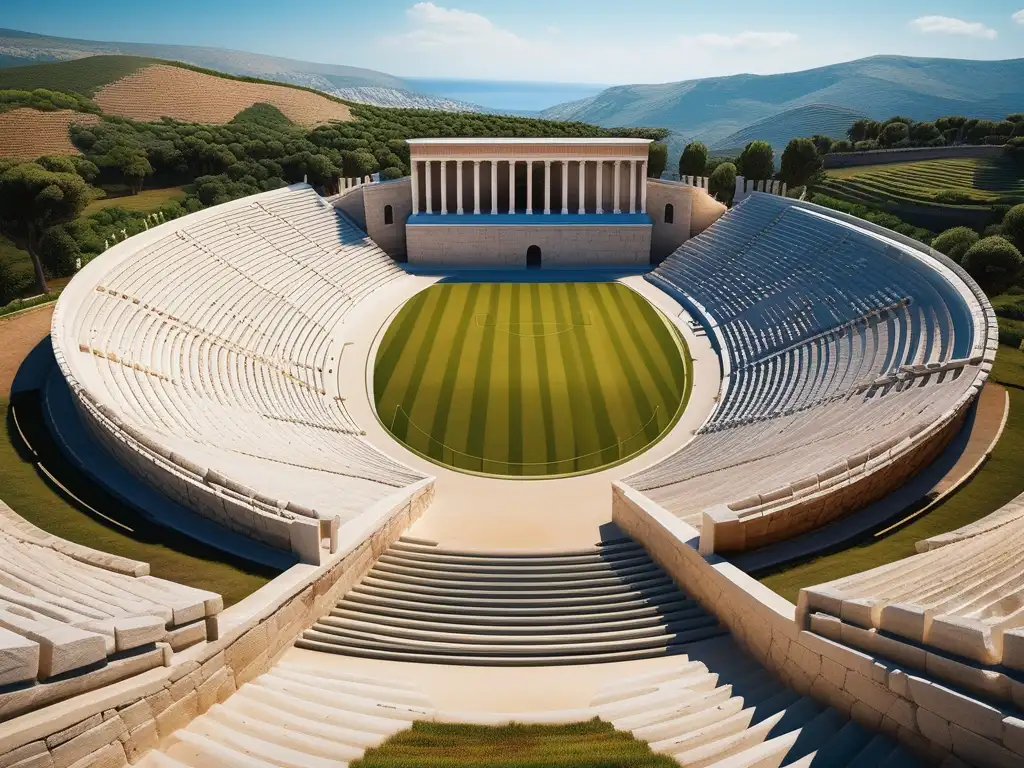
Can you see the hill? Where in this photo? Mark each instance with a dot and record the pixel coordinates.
(353, 83)
(26, 134)
(778, 129)
(712, 109)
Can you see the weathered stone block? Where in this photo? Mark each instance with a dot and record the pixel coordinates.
(178, 715)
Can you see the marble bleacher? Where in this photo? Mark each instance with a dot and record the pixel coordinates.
(845, 354)
(202, 354)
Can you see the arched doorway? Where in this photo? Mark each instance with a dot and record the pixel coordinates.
(533, 257)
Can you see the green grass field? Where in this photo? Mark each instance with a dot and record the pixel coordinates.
(531, 379)
(956, 181)
(82, 76)
(999, 480)
(592, 744)
(147, 201)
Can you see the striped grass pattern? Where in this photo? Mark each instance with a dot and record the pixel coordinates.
(530, 379)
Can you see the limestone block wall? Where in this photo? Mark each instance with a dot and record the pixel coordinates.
(350, 202)
(667, 236)
(506, 245)
(116, 725)
(809, 503)
(932, 719)
(704, 211)
(376, 198)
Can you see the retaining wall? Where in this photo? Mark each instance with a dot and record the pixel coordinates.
(907, 155)
(932, 719)
(116, 725)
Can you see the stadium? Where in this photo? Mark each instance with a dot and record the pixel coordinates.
(513, 431)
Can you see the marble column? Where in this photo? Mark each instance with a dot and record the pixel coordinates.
(643, 187)
(511, 186)
(600, 187)
(430, 187)
(565, 187)
(458, 187)
(547, 187)
(617, 207)
(494, 187)
(476, 186)
(415, 188)
(444, 187)
(529, 187)
(632, 186)
(583, 186)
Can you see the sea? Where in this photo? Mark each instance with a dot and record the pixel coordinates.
(515, 97)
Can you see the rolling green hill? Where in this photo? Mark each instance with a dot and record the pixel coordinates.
(880, 86)
(778, 129)
(956, 181)
(83, 76)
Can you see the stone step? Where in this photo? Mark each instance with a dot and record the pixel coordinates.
(503, 566)
(570, 579)
(518, 590)
(499, 599)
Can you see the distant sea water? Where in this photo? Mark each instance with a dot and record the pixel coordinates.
(506, 95)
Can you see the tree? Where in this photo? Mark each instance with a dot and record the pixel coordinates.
(757, 161)
(843, 145)
(59, 252)
(722, 183)
(694, 159)
(391, 172)
(356, 165)
(1013, 226)
(10, 282)
(955, 242)
(822, 143)
(657, 159)
(33, 199)
(134, 168)
(893, 134)
(995, 263)
(800, 162)
(858, 131)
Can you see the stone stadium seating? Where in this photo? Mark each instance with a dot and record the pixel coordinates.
(202, 354)
(849, 359)
(72, 618)
(426, 604)
(954, 610)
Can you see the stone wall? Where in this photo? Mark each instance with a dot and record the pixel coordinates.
(704, 211)
(666, 237)
(376, 197)
(116, 725)
(907, 155)
(350, 202)
(810, 503)
(931, 719)
(506, 245)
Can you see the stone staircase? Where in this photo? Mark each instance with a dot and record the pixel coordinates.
(426, 604)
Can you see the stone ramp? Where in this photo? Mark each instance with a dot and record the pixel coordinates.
(714, 707)
(422, 603)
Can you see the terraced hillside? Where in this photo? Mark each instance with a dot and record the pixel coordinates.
(959, 181)
(28, 133)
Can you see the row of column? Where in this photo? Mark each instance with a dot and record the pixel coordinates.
(599, 164)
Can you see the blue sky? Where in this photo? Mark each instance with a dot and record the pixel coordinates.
(600, 41)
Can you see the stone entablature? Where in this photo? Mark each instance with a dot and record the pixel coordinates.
(593, 176)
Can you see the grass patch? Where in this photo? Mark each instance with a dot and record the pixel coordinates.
(953, 181)
(147, 201)
(533, 379)
(997, 482)
(82, 76)
(171, 556)
(263, 114)
(592, 744)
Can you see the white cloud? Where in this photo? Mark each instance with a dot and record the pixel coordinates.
(947, 25)
(746, 40)
(435, 28)
(1019, 16)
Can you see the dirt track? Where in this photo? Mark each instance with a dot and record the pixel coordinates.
(18, 336)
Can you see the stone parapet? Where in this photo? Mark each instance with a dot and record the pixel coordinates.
(117, 724)
(934, 720)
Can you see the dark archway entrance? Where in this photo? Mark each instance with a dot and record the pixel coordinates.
(533, 257)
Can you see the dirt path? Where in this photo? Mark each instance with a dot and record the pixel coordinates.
(18, 336)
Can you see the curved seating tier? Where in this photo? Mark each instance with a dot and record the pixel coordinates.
(72, 618)
(207, 347)
(845, 352)
(962, 604)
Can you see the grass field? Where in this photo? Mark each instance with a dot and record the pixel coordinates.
(532, 379)
(146, 201)
(955, 181)
(592, 744)
(999, 480)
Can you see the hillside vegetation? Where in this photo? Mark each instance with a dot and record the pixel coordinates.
(962, 181)
(777, 130)
(84, 76)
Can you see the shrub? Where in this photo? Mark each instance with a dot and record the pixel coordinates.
(11, 283)
(59, 252)
(800, 162)
(843, 145)
(757, 161)
(1011, 337)
(956, 197)
(657, 159)
(995, 263)
(722, 183)
(694, 159)
(1013, 226)
(1014, 311)
(391, 172)
(894, 133)
(955, 242)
